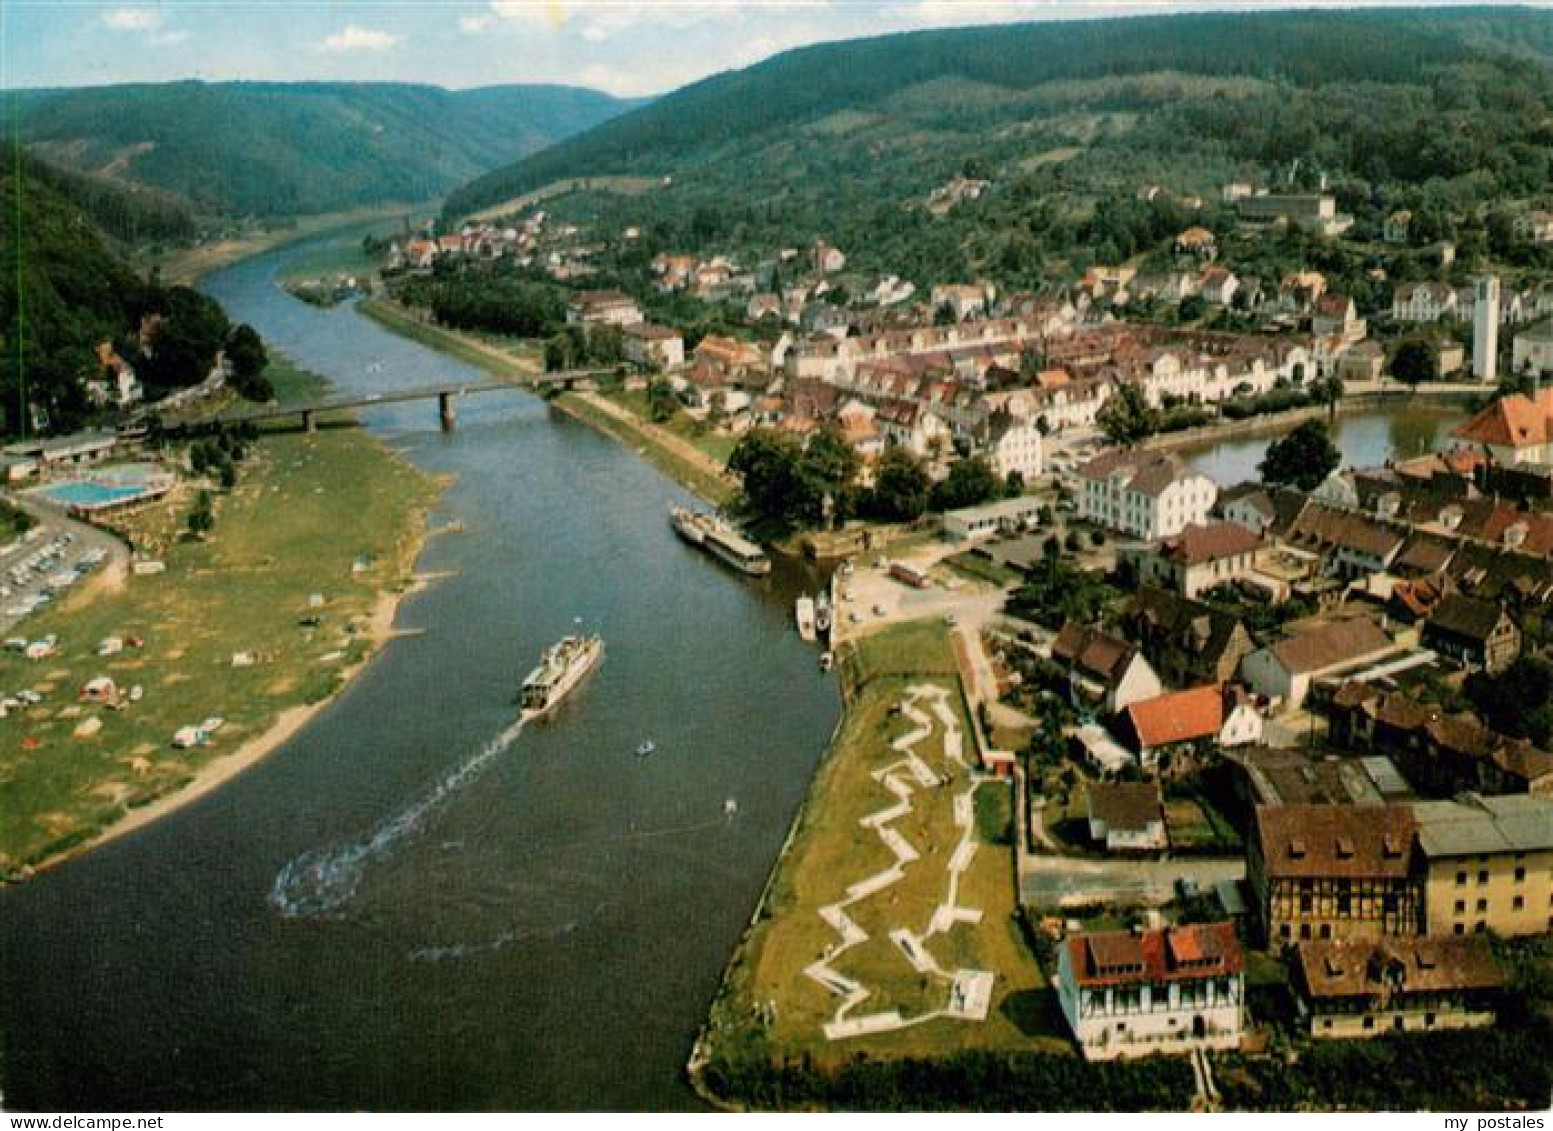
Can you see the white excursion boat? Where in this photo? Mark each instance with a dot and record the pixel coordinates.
(803, 612)
(719, 539)
(561, 668)
(822, 613)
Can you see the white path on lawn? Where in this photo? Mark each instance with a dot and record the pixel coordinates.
(968, 993)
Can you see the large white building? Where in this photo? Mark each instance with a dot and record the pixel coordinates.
(1533, 350)
(1128, 993)
(1148, 495)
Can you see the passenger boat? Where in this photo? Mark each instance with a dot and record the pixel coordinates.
(646, 748)
(561, 668)
(803, 613)
(822, 613)
(719, 539)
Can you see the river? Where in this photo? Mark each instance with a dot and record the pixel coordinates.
(401, 908)
(1366, 438)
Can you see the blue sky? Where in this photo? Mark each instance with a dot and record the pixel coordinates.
(627, 48)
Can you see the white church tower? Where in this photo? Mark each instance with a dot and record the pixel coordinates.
(1485, 329)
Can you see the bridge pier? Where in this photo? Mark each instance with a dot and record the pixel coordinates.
(309, 421)
(446, 411)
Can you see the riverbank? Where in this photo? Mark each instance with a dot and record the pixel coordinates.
(262, 624)
(187, 265)
(679, 459)
(1277, 422)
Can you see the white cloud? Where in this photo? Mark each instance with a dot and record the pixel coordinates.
(356, 38)
(166, 38)
(132, 19)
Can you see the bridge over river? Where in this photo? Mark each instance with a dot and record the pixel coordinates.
(446, 395)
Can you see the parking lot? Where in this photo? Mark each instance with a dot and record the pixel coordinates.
(46, 563)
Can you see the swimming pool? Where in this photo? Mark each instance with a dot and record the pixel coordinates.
(91, 496)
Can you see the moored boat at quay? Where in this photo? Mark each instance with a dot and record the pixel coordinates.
(803, 613)
(719, 539)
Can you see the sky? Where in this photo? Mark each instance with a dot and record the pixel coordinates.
(625, 47)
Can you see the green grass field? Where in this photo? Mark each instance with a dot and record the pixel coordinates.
(334, 514)
(718, 445)
(830, 850)
(506, 358)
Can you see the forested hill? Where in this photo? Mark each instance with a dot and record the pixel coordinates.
(286, 149)
(950, 85)
(64, 291)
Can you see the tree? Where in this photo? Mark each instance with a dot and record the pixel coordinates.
(246, 355)
(1302, 459)
(202, 518)
(766, 463)
(901, 486)
(1416, 360)
(1127, 416)
(662, 403)
(969, 482)
(1519, 700)
(828, 468)
(1327, 391)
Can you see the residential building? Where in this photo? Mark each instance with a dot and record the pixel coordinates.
(1475, 633)
(1313, 212)
(606, 308)
(1012, 445)
(1336, 316)
(1516, 429)
(1285, 670)
(1487, 864)
(1441, 754)
(965, 300)
(826, 259)
(1165, 990)
(1352, 988)
(654, 347)
(1535, 226)
(1201, 557)
(1221, 716)
(1396, 226)
(1423, 302)
(1186, 642)
(1126, 816)
(1198, 242)
(1532, 351)
(1362, 363)
(1103, 670)
(1334, 871)
(1148, 495)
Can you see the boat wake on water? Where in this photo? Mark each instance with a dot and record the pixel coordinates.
(323, 880)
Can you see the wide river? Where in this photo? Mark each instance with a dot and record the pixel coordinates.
(407, 906)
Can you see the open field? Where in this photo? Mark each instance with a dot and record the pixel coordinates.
(829, 851)
(333, 514)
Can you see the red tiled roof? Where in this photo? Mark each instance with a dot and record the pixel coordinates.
(1177, 716)
(1353, 841)
(1206, 543)
(1171, 954)
(1430, 964)
(1518, 421)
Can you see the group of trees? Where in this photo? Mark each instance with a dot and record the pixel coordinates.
(806, 486)
(64, 291)
(486, 299)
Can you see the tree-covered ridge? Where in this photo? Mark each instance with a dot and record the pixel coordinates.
(284, 149)
(64, 292)
(1303, 51)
